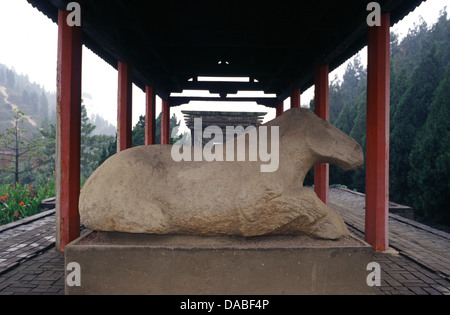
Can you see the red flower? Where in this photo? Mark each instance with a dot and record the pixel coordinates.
(22, 203)
(16, 215)
(3, 197)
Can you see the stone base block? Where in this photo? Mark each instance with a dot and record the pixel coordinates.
(122, 263)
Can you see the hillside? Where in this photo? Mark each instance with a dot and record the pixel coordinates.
(17, 92)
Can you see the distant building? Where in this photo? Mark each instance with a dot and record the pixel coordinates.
(222, 120)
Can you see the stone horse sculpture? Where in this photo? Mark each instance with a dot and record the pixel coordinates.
(143, 190)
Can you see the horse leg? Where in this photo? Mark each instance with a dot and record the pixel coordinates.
(312, 216)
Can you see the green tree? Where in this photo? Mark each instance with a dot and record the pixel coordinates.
(138, 136)
(92, 146)
(411, 113)
(87, 157)
(349, 97)
(109, 150)
(46, 171)
(43, 106)
(21, 153)
(138, 133)
(429, 175)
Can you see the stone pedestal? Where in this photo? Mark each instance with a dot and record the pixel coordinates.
(122, 263)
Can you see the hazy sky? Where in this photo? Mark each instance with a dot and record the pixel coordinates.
(29, 44)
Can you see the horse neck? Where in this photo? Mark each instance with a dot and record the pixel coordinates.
(295, 163)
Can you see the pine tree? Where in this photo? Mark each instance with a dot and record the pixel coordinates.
(429, 175)
(43, 106)
(350, 97)
(48, 132)
(138, 134)
(20, 153)
(410, 115)
(92, 146)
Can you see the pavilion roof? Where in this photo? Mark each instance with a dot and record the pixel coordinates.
(273, 43)
(224, 119)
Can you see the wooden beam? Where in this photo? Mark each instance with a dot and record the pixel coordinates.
(124, 107)
(321, 108)
(377, 135)
(266, 101)
(150, 119)
(224, 87)
(68, 132)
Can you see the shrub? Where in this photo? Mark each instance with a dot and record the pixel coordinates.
(21, 201)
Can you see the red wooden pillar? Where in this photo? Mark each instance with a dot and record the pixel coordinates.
(68, 132)
(295, 97)
(150, 101)
(321, 108)
(165, 122)
(279, 108)
(124, 107)
(377, 135)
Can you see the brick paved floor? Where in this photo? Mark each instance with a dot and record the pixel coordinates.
(29, 262)
(401, 275)
(41, 275)
(20, 241)
(418, 264)
(419, 259)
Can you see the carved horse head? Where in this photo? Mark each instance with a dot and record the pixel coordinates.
(313, 140)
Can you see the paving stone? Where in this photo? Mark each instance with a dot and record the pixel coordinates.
(419, 290)
(432, 291)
